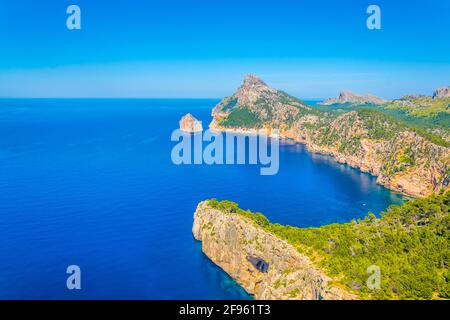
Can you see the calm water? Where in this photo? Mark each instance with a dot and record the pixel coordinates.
(91, 182)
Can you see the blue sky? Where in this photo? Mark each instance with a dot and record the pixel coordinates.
(187, 48)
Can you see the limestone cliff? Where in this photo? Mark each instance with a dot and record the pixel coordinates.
(403, 158)
(263, 264)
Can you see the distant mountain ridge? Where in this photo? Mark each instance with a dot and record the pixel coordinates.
(430, 112)
(403, 158)
(348, 97)
(353, 98)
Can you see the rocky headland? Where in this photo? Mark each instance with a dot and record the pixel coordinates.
(403, 159)
(263, 264)
(407, 244)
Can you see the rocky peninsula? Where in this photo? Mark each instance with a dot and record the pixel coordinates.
(262, 263)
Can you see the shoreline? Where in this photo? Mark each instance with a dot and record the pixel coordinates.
(317, 150)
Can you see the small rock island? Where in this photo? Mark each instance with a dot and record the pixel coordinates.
(189, 123)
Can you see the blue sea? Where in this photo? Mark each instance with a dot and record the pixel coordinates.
(91, 183)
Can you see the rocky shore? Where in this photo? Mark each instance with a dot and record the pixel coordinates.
(266, 266)
(418, 181)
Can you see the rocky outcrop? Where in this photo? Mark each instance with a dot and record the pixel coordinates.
(263, 264)
(189, 123)
(402, 159)
(443, 92)
(353, 98)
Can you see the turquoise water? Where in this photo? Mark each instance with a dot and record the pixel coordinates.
(91, 183)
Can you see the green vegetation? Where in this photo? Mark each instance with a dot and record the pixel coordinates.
(294, 293)
(397, 125)
(287, 99)
(232, 207)
(228, 103)
(409, 243)
(436, 120)
(382, 126)
(427, 117)
(241, 117)
(420, 112)
(399, 161)
(420, 106)
(344, 107)
(378, 125)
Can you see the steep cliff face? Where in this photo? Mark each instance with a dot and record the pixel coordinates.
(255, 104)
(263, 264)
(402, 158)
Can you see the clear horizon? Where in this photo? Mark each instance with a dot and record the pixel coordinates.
(200, 49)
